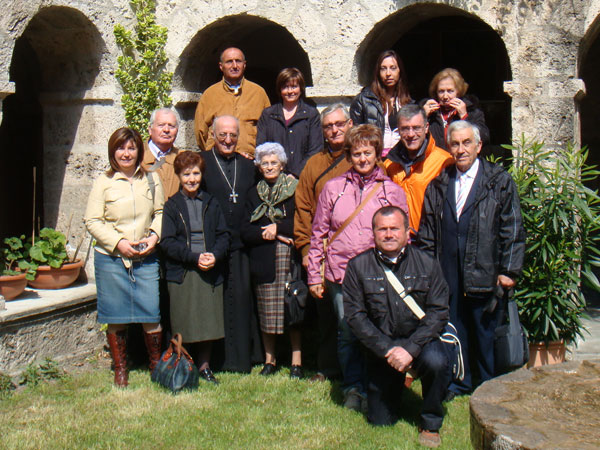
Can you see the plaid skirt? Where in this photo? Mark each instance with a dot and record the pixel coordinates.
(269, 296)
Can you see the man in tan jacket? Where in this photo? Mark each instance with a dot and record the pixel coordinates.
(234, 96)
(159, 152)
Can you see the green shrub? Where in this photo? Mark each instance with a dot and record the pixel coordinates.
(13, 258)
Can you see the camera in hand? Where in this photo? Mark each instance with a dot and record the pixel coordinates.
(140, 247)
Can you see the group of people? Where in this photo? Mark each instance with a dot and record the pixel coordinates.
(386, 206)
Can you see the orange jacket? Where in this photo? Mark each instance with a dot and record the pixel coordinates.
(422, 172)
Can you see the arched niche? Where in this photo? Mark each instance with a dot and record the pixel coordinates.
(268, 48)
(430, 37)
(589, 72)
(54, 61)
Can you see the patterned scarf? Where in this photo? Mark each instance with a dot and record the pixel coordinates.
(283, 189)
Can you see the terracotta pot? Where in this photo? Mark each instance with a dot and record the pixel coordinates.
(11, 286)
(50, 278)
(541, 354)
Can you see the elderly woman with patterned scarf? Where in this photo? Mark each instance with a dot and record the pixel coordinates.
(267, 231)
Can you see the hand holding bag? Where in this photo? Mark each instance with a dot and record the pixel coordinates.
(296, 293)
(511, 349)
(176, 369)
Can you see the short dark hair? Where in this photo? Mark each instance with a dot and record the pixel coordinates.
(119, 138)
(287, 75)
(366, 134)
(388, 211)
(186, 160)
(410, 111)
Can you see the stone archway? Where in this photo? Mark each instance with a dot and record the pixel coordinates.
(268, 47)
(589, 72)
(432, 37)
(54, 61)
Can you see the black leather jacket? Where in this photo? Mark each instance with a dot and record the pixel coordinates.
(495, 242)
(366, 108)
(379, 317)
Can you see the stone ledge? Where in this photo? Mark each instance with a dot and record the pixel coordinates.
(35, 302)
(550, 407)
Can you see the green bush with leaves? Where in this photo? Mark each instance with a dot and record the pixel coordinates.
(141, 68)
(561, 216)
(13, 260)
(49, 248)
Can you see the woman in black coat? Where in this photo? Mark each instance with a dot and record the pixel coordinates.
(292, 123)
(379, 103)
(268, 231)
(195, 241)
(449, 103)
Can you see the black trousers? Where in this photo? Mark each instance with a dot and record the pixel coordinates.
(385, 384)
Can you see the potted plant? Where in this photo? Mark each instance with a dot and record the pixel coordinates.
(48, 253)
(15, 269)
(561, 216)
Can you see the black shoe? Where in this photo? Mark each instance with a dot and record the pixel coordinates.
(451, 395)
(208, 376)
(268, 369)
(296, 372)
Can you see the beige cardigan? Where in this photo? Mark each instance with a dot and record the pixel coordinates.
(118, 210)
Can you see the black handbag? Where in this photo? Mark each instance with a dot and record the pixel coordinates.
(296, 293)
(511, 349)
(176, 369)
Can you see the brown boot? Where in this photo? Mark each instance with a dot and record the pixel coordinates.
(117, 342)
(153, 345)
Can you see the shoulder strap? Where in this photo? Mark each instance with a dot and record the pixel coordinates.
(356, 211)
(407, 299)
(151, 184)
(335, 163)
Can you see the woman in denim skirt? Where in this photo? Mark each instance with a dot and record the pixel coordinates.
(124, 215)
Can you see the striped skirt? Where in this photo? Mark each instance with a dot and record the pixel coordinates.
(269, 296)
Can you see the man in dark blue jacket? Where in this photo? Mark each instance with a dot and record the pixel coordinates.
(471, 222)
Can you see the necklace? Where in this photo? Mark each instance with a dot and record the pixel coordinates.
(233, 196)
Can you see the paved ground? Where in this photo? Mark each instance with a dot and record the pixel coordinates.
(590, 347)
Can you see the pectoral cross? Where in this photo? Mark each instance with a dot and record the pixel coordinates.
(233, 197)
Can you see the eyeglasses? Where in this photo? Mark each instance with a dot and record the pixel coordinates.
(223, 136)
(266, 164)
(339, 124)
(416, 130)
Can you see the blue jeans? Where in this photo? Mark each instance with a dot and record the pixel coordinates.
(352, 361)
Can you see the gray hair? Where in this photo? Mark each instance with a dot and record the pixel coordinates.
(411, 110)
(335, 107)
(463, 125)
(164, 110)
(218, 119)
(267, 149)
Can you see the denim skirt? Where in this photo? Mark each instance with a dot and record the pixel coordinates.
(127, 295)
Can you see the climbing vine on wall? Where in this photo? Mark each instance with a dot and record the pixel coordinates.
(141, 68)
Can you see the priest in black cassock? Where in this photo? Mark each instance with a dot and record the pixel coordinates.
(228, 176)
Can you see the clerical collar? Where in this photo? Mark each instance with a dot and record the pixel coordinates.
(157, 152)
(224, 158)
(234, 87)
(387, 259)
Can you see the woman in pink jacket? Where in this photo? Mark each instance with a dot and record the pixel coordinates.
(340, 198)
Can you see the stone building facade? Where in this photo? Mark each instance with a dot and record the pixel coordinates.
(529, 61)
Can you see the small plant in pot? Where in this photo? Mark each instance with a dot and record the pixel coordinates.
(561, 216)
(49, 253)
(16, 270)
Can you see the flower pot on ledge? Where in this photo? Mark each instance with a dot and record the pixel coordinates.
(50, 278)
(541, 354)
(11, 286)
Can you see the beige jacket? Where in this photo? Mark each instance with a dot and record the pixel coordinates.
(118, 210)
(219, 99)
(166, 172)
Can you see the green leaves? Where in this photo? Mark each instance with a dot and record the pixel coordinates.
(562, 219)
(141, 68)
(49, 249)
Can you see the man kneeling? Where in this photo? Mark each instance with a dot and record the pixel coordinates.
(385, 318)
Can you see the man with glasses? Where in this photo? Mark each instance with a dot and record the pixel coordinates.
(227, 177)
(159, 151)
(415, 160)
(233, 95)
(319, 169)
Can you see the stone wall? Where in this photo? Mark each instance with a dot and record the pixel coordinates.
(334, 41)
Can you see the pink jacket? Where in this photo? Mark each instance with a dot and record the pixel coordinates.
(338, 200)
